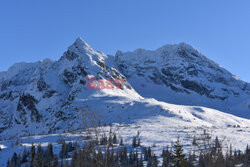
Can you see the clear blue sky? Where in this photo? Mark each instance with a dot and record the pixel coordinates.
(32, 30)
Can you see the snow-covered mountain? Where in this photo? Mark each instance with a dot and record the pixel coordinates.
(180, 74)
(42, 97)
(52, 96)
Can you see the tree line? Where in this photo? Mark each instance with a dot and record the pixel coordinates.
(108, 151)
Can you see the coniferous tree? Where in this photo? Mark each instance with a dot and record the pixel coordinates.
(38, 157)
(56, 163)
(13, 162)
(247, 157)
(33, 152)
(139, 142)
(194, 142)
(89, 155)
(114, 139)
(134, 142)
(141, 161)
(49, 151)
(74, 159)
(217, 143)
(19, 160)
(155, 161)
(24, 156)
(149, 163)
(64, 151)
(178, 155)
(121, 142)
(8, 163)
(110, 141)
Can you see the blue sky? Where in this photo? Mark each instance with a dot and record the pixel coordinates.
(32, 30)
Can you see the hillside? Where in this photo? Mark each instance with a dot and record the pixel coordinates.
(52, 96)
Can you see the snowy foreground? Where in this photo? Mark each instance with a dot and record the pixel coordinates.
(157, 132)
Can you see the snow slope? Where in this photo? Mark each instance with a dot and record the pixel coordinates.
(157, 132)
(180, 74)
(52, 96)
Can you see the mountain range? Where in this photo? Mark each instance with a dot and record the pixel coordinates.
(175, 82)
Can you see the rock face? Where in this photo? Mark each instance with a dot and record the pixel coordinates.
(50, 96)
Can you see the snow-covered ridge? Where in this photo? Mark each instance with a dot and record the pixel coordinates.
(183, 71)
(50, 96)
(42, 97)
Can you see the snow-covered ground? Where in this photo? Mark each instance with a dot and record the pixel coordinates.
(157, 132)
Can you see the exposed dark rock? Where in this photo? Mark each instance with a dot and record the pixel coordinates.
(5, 120)
(7, 96)
(82, 82)
(192, 85)
(192, 71)
(27, 101)
(79, 70)
(49, 93)
(69, 77)
(70, 55)
(4, 85)
(101, 64)
(42, 85)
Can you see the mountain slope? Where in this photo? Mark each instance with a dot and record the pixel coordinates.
(180, 74)
(40, 97)
(53, 96)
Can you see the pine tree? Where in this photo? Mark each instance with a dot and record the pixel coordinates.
(56, 163)
(63, 152)
(38, 157)
(165, 157)
(130, 158)
(124, 157)
(141, 161)
(19, 160)
(247, 157)
(24, 156)
(74, 159)
(178, 155)
(194, 142)
(149, 153)
(201, 160)
(155, 161)
(117, 160)
(13, 162)
(66, 164)
(149, 164)
(32, 151)
(49, 151)
(121, 142)
(8, 163)
(110, 141)
(191, 159)
(134, 144)
(139, 142)
(114, 139)
(217, 143)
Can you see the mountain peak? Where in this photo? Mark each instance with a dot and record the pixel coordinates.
(81, 46)
(80, 42)
(78, 49)
(177, 47)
